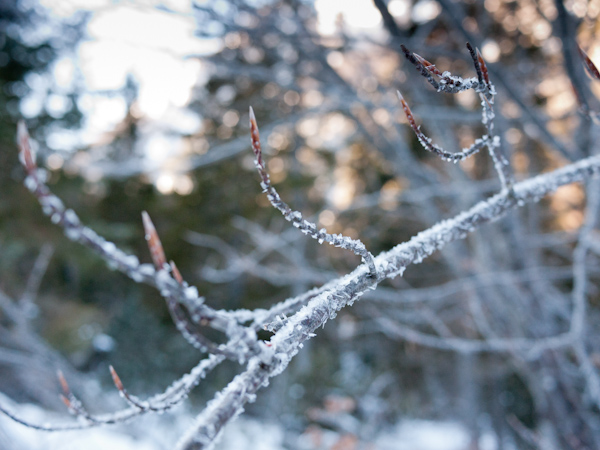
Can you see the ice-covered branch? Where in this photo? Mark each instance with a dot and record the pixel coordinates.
(172, 396)
(288, 340)
(427, 144)
(53, 207)
(178, 315)
(452, 85)
(295, 217)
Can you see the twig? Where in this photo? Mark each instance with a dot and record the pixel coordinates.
(452, 84)
(183, 324)
(427, 144)
(175, 394)
(53, 207)
(295, 217)
(35, 278)
(288, 340)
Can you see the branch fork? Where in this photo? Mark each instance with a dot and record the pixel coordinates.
(446, 82)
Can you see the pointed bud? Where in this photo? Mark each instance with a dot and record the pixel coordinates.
(255, 138)
(25, 152)
(484, 69)
(408, 112)
(590, 66)
(115, 378)
(63, 383)
(429, 66)
(154, 244)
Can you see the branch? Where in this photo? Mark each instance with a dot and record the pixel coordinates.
(53, 207)
(530, 348)
(427, 144)
(175, 394)
(180, 319)
(452, 85)
(286, 343)
(308, 228)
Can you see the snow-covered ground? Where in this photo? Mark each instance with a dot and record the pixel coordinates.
(161, 432)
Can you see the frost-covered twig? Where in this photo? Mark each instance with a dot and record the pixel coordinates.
(530, 348)
(295, 217)
(53, 207)
(452, 85)
(427, 144)
(288, 340)
(180, 319)
(172, 396)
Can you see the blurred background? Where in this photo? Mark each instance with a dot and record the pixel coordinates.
(143, 105)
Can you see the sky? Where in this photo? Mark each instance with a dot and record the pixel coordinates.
(158, 50)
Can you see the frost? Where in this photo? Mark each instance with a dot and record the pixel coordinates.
(31, 183)
(42, 175)
(191, 293)
(52, 203)
(109, 248)
(73, 233)
(163, 280)
(136, 276)
(132, 261)
(147, 270)
(89, 235)
(71, 218)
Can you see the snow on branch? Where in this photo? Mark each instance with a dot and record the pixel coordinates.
(446, 82)
(264, 360)
(172, 396)
(288, 340)
(178, 315)
(158, 277)
(306, 227)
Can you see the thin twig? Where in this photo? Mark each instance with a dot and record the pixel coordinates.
(182, 322)
(295, 217)
(285, 344)
(453, 84)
